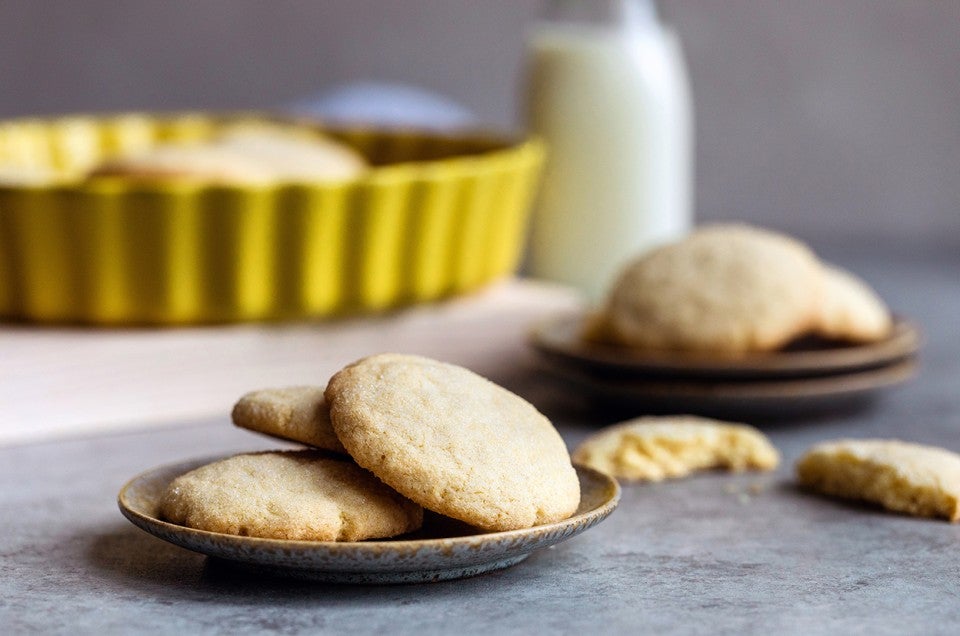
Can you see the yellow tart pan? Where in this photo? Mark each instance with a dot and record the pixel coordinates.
(437, 215)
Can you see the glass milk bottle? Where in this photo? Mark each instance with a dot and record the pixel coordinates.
(606, 89)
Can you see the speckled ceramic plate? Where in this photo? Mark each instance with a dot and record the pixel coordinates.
(558, 341)
(444, 549)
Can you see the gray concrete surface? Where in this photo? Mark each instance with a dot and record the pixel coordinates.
(711, 554)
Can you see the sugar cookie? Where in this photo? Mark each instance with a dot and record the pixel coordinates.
(851, 310)
(251, 153)
(726, 289)
(453, 441)
(194, 162)
(302, 495)
(296, 413)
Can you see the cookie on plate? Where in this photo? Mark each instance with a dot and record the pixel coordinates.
(658, 448)
(725, 289)
(296, 413)
(300, 495)
(453, 442)
(851, 310)
(919, 480)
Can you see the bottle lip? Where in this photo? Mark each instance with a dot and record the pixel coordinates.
(624, 14)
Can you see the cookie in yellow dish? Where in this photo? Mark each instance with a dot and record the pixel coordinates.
(194, 162)
(900, 476)
(27, 176)
(658, 448)
(242, 154)
(293, 155)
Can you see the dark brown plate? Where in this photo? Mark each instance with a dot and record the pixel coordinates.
(786, 398)
(558, 341)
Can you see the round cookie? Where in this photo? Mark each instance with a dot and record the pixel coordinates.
(300, 495)
(726, 289)
(296, 413)
(292, 154)
(851, 310)
(195, 162)
(249, 153)
(453, 442)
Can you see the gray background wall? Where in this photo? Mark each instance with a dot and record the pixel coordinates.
(836, 120)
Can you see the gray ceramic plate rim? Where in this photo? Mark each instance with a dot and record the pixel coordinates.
(375, 561)
(556, 338)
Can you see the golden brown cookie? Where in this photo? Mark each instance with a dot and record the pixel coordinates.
(292, 154)
(657, 448)
(194, 162)
(296, 413)
(301, 495)
(20, 176)
(453, 442)
(243, 153)
(725, 289)
(851, 310)
(919, 480)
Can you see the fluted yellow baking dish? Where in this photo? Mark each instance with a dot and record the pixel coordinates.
(436, 215)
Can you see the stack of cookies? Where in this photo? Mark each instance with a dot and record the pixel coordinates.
(390, 435)
(721, 315)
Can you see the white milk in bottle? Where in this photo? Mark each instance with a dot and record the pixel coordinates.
(607, 90)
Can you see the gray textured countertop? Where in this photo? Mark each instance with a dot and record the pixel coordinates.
(714, 553)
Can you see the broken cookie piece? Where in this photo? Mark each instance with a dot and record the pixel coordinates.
(923, 481)
(658, 448)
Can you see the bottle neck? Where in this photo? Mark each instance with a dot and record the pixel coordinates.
(622, 14)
